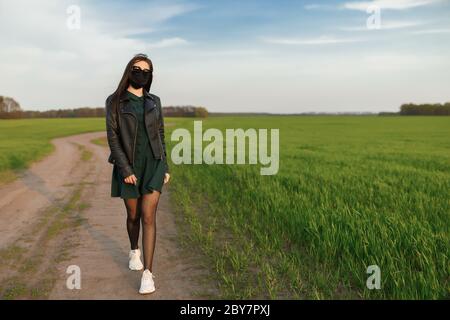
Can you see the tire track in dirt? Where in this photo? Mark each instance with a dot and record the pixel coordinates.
(60, 213)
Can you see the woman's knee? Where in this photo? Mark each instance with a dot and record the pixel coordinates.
(133, 215)
(133, 218)
(149, 219)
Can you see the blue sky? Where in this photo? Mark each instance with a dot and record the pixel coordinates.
(249, 56)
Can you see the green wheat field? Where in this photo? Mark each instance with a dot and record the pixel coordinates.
(351, 191)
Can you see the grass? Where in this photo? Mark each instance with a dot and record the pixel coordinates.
(11, 252)
(100, 141)
(86, 155)
(350, 192)
(26, 140)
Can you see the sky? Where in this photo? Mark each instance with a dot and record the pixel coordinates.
(229, 56)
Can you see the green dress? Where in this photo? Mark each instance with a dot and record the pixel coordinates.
(148, 170)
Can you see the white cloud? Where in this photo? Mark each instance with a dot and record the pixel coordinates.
(318, 7)
(386, 25)
(431, 31)
(109, 16)
(48, 66)
(322, 40)
(230, 52)
(392, 61)
(133, 31)
(168, 42)
(39, 52)
(389, 4)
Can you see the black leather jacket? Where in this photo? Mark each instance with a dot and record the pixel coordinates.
(121, 128)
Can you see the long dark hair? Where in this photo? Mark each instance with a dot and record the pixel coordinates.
(124, 82)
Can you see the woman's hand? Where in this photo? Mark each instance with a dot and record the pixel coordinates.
(131, 179)
(166, 178)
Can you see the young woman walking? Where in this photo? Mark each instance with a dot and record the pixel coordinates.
(135, 131)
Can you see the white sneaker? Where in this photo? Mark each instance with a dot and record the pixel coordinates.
(147, 284)
(135, 262)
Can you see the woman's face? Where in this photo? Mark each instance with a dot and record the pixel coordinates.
(142, 64)
(140, 74)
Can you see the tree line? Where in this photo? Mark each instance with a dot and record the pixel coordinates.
(185, 111)
(59, 113)
(87, 112)
(427, 109)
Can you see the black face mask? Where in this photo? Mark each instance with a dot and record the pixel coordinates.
(139, 78)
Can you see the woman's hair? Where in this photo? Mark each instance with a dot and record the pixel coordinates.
(124, 82)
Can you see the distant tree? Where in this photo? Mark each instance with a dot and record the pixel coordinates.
(185, 111)
(201, 112)
(411, 109)
(8, 104)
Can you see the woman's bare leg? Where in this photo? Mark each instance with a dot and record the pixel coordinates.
(149, 205)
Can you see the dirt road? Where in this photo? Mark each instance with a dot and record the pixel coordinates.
(59, 213)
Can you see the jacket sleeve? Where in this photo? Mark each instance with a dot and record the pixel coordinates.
(162, 135)
(112, 131)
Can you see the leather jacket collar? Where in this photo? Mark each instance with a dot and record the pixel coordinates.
(147, 95)
(150, 101)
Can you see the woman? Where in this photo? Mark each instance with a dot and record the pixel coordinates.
(135, 131)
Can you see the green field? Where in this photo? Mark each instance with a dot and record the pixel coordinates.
(26, 140)
(350, 192)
